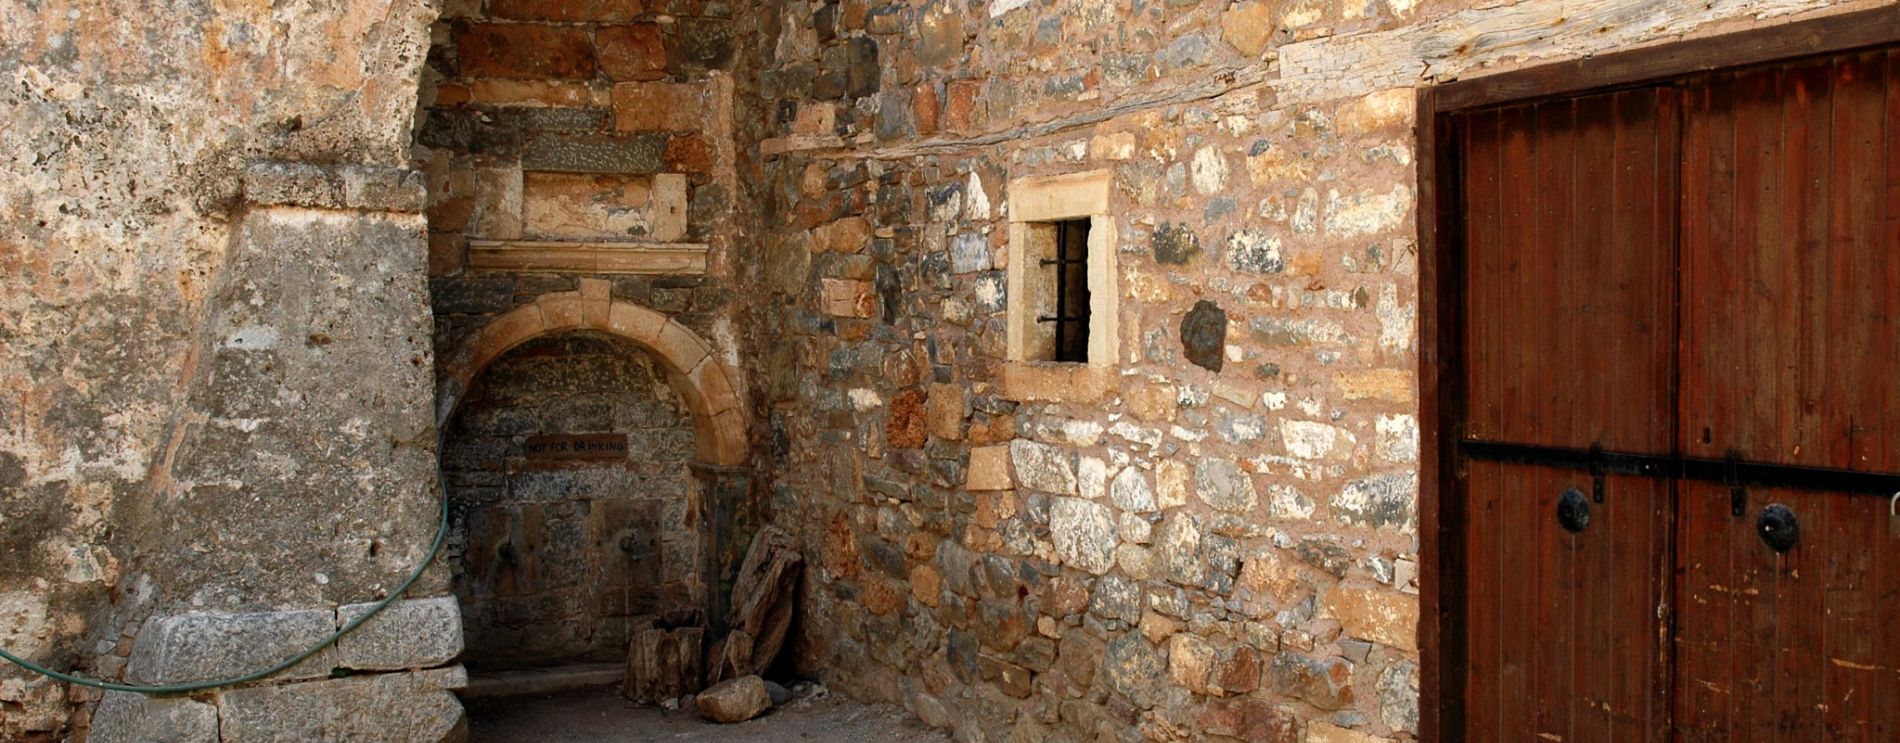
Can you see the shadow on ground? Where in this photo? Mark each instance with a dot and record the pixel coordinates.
(601, 715)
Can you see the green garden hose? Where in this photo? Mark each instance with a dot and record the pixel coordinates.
(441, 535)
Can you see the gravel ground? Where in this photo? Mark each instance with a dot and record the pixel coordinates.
(601, 716)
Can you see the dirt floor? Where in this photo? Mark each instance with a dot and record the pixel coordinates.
(600, 715)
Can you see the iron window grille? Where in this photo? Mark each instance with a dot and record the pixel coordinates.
(1071, 264)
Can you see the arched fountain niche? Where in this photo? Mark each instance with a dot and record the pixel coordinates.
(590, 449)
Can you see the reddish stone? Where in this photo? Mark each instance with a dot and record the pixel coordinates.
(855, 13)
(1239, 671)
(841, 556)
(854, 332)
(1078, 656)
(552, 93)
(525, 51)
(920, 546)
(923, 103)
(1065, 596)
(445, 253)
(451, 214)
(990, 430)
(689, 153)
(598, 11)
(879, 598)
(1249, 718)
(658, 106)
(926, 585)
(1011, 679)
(959, 113)
(905, 427)
(634, 52)
(451, 94)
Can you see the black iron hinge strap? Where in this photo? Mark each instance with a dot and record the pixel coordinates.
(1732, 471)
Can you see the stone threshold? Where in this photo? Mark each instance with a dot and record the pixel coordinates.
(538, 681)
(651, 258)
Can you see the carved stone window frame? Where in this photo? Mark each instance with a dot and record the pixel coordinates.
(1037, 202)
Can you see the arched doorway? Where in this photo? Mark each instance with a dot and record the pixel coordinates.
(574, 510)
(589, 452)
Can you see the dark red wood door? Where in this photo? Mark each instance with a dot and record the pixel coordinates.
(1791, 214)
(1571, 324)
(1653, 282)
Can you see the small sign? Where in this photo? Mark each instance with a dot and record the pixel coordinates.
(564, 446)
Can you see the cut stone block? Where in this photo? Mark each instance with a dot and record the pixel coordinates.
(396, 707)
(415, 633)
(204, 647)
(125, 717)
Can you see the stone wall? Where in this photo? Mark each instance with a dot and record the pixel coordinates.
(215, 365)
(601, 124)
(216, 358)
(1214, 537)
(560, 548)
(563, 140)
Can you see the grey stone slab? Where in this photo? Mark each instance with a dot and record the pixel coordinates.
(414, 633)
(970, 253)
(366, 187)
(562, 153)
(394, 707)
(557, 119)
(124, 717)
(188, 648)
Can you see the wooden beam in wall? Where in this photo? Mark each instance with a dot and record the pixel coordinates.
(669, 259)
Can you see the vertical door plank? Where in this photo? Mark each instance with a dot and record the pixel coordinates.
(1807, 131)
(1717, 263)
(1517, 402)
(1482, 579)
(1698, 703)
(1557, 551)
(1856, 113)
(1884, 593)
(1755, 428)
(1598, 249)
(1647, 163)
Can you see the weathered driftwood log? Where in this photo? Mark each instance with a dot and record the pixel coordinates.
(761, 608)
(663, 656)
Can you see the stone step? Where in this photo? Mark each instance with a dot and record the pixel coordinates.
(535, 681)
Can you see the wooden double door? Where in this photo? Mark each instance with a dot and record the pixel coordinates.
(1678, 404)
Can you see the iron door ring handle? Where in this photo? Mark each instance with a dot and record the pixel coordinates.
(1573, 510)
(1778, 527)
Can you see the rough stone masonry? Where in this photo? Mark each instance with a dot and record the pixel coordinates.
(243, 244)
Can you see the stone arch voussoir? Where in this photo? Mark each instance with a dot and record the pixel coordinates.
(690, 363)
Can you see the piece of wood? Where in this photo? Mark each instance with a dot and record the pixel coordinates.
(646, 258)
(1827, 34)
(762, 607)
(1441, 576)
(663, 657)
